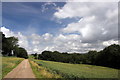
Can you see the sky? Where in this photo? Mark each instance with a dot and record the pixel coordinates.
(61, 26)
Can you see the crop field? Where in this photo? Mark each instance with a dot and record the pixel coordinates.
(78, 70)
(9, 63)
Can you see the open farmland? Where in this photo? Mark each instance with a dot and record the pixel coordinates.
(78, 70)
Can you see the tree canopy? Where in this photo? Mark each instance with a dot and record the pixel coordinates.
(10, 44)
(109, 57)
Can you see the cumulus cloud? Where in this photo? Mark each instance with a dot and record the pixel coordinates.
(7, 32)
(75, 9)
(23, 41)
(47, 36)
(64, 43)
(96, 27)
(109, 42)
(96, 20)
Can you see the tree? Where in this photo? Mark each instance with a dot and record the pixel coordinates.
(21, 52)
(109, 57)
(16, 50)
(9, 44)
(91, 57)
(36, 56)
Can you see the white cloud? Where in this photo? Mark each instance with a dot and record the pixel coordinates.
(36, 50)
(109, 42)
(75, 9)
(23, 41)
(7, 32)
(63, 43)
(97, 20)
(95, 29)
(47, 36)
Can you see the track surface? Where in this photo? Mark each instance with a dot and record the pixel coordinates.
(22, 71)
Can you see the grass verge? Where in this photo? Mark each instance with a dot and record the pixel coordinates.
(9, 63)
(41, 72)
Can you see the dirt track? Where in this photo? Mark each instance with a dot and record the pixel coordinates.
(23, 70)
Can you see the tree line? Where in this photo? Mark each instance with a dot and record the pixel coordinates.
(109, 57)
(10, 47)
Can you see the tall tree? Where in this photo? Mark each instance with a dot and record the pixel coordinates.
(21, 52)
(9, 44)
(110, 56)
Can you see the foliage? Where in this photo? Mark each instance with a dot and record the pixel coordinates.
(109, 57)
(35, 55)
(9, 44)
(21, 52)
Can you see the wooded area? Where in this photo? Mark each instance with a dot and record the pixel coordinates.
(109, 57)
(10, 47)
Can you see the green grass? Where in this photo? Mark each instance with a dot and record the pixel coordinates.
(41, 72)
(78, 70)
(9, 63)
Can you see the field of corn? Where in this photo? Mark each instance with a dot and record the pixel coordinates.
(67, 70)
(9, 63)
